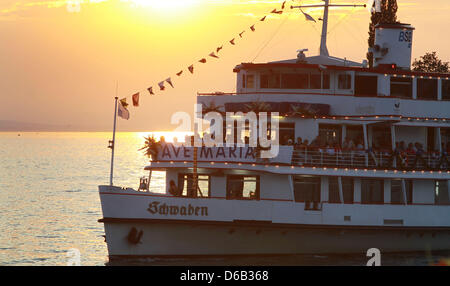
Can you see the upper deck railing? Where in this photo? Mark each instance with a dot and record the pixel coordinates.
(311, 157)
(382, 159)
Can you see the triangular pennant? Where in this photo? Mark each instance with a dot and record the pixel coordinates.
(213, 55)
(135, 98)
(274, 11)
(150, 90)
(191, 68)
(122, 109)
(179, 73)
(161, 85)
(232, 42)
(169, 81)
(241, 33)
(308, 17)
(202, 61)
(123, 102)
(252, 27)
(218, 49)
(263, 18)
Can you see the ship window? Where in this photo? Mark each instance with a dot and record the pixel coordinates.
(372, 191)
(269, 81)
(250, 81)
(287, 132)
(427, 88)
(307, 188)
(243, 81)
(294, 81)
(397, 193)
(401, 87)
(333, 190)
(330, 134)
(185, 183)
(242, 187)
(441, 192)
(366, 85)
(445, 89)
(347, 190)
(344, 81)
(315, 81)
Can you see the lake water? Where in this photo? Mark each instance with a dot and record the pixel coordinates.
(49, 202)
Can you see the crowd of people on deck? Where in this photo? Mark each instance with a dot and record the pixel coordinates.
(403, 155)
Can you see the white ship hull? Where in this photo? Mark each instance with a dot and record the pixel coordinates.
(217, 230)
(175, 239)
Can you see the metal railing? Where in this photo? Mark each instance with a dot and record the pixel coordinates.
(368, 159)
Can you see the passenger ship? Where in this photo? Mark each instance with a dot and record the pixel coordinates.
(346, 178)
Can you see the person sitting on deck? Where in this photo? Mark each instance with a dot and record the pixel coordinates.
(173, 189)
(443, 161)
(348, 144)
(419, 155)
(299, 144)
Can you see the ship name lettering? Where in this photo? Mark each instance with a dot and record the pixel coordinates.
(164, 209)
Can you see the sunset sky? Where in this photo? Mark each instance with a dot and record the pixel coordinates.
(59, 65)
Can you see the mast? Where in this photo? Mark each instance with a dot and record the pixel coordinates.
(323, 40)
(112, 143)
(326, 5)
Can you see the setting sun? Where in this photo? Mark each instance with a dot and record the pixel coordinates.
(166, 5)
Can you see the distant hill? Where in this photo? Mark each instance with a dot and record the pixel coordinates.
(7, 125)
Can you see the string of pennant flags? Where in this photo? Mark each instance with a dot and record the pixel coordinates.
(124, 113)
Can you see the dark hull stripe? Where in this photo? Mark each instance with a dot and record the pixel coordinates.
(268, 224)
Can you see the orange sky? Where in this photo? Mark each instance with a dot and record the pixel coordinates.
(60, 67)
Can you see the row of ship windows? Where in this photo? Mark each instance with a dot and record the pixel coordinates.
(364, 85)
(308, 189)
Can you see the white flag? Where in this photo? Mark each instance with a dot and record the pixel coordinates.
(123, 111)
(374, 6)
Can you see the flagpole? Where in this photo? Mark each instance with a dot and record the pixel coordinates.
(112, 143)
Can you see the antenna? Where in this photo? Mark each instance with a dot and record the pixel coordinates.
(326, 5)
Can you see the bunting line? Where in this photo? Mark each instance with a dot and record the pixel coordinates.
(124, 112)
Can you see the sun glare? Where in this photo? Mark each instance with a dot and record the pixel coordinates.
(166, 5)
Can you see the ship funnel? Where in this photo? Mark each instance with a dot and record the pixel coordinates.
(393, 45)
